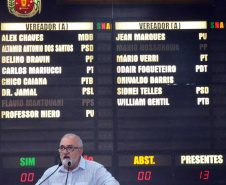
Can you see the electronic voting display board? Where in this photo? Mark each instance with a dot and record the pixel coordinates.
(142, 82)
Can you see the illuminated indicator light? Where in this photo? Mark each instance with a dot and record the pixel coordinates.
(144, 176)
(27, 177)
(204, 175)
(104, 26)
(221, 25)
(139, 160)
(217, 25)
(211, 24)
(27, 161)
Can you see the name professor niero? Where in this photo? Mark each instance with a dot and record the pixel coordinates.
(30, 114)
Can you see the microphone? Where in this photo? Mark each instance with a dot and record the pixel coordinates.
(69, 164)
(51, 173)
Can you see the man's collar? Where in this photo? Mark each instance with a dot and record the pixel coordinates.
(82, 163)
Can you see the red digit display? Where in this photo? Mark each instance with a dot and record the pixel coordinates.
(144, 175)
(30, 177)
(27, 177)
(23, 177)
(204, 175)
(148, 175)
(140, 176)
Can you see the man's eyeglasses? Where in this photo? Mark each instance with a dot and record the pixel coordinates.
(68, 149)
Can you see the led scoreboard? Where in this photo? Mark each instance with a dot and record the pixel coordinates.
(142, 82)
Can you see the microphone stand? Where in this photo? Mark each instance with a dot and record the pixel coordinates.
(69, 164)
(51, 174)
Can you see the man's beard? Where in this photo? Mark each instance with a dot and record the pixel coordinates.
(66, 160)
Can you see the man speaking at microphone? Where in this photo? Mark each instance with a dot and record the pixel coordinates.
(75, 170)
